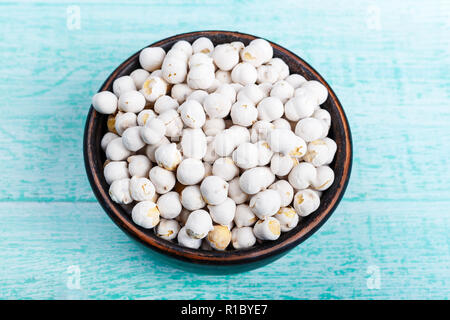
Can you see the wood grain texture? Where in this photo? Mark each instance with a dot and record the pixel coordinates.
(387, 62)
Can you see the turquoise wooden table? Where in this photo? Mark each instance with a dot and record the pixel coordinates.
(389, 64)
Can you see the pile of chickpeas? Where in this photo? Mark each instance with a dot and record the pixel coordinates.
(216, 145)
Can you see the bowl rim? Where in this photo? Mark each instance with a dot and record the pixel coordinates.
(201, 256)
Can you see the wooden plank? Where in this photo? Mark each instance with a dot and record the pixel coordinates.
(392, 82)
(388, 63)
(410, 250)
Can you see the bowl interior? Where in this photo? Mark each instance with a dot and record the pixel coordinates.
(339, 131)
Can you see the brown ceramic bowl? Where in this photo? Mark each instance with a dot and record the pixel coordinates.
(260, 253)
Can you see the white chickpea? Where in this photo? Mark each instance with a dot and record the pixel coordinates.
(256, 179)
(235, 192)
(190, 171)
(191, 198)
(156, 73)
(225, 168)
(302, 175)
(246, 155)
(144, 116)
(115, 170)
(264, 47)
(139, 165)
(306, 201)
(198, 95)
(251, 92)
(286, 142)
(167, 229)
(270, 108)
(105, 102)
(252, 54)
(119, 191)
(215, 85)
(244, 73)
(168, 156)
(310, 129)
(266, 74)
(242, 238)
(184, 46)
(153, 131)
(162, 179)
(169, 205)
(201, 59)
(198, 224)
(223, 213)
(139, 76)
(227, 90)
(131, 139)
(153, 88)
(107, 138)
(174, 69)
(145, 214)
(282, 90)
(123, 84)
(265, 88)
(268, 229)
(151, 58)
(281, 123)
(324, 178)
(281, 67)
(131, 101)
(244, 216)
(259, 130)
(203, 45)
(323, 115)
(219, 238)
(125, 121)
(264, 153)
(299, 107)
(214, 190)
(192, 114)
(201, 77)
(213, 126)
(116, 151)
(151, 148)
(225, 56)
(265, 203)
(217, 105)
(180, 92)
(193, 143)
(288, 218)
(187, 241)
(141, 189)
(244, 113)
(223, 76)
(241, 134)
(224, 143)
(281, 165)
(320, 152)
(173, 123)
(295, 80)
(165, 103)
(285, 191)
(319, 91)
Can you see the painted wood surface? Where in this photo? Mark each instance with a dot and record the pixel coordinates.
(387, 62)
